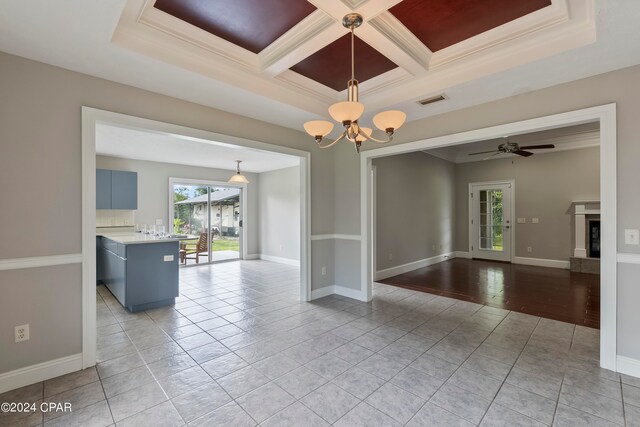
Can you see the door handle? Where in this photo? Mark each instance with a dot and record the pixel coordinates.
(507, 226)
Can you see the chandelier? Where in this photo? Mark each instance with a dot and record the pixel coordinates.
(348, 112)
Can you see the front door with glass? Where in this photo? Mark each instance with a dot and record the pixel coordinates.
(490, 223)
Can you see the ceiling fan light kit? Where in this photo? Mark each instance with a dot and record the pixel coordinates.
(348, 112)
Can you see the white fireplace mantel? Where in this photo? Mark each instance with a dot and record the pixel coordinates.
(581, 209)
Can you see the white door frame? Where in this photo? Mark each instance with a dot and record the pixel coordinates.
(243, 203)
(512, 228)
(93, 116)
(606, 116)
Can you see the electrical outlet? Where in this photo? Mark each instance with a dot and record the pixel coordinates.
(433, 247)
(529, 249)
(281, 247)
(631, 236)
(535, 220)
(324, 270)
(21, 333)
(390, 257)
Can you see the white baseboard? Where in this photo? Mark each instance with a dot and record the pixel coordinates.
(405, 268)
(252, 256)
(553, 263)
(463, 254)
(628, 366)
(338, 290)
(280, 260)
(348, 292)
(322, 292)
(40, 372)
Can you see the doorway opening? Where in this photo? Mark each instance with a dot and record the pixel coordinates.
(156, 199)
(604, 117)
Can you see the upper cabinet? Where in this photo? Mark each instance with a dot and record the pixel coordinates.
(116, 189)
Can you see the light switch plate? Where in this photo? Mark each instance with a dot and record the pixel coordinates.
(522, 220)
(168, 258)
(631, 236)
(535, 220)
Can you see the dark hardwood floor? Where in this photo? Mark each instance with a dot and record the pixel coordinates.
(547, 292)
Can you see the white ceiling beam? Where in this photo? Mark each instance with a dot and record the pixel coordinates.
(388, 36)
(310, 35)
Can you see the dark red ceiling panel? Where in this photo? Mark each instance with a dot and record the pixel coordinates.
(331, 65)
(251, 24)
(442, 23)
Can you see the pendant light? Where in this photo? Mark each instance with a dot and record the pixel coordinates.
(238, 178)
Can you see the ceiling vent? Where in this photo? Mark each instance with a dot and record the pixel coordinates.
(431, 100)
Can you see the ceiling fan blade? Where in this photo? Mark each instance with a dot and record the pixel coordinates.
(522, 153)
(483, 152)
(537, 147)
(493, 155)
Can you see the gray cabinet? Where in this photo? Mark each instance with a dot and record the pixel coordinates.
(140, 276)
(116, 189)
(103, 189)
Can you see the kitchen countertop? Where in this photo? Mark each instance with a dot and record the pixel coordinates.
(128, 238)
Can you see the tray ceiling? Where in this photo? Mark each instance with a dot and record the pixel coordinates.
(297, 52)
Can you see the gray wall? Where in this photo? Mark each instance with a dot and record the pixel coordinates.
(153, 190)
(621, 87)
(40, 133)
(279, 213)
(545, 186)
(415, 208)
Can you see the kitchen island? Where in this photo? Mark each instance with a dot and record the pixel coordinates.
(140, 270)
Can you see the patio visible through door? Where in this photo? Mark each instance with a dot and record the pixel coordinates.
(209, 219)
(490, 225)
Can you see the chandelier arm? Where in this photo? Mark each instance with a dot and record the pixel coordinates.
(331, 144)
(380, 141)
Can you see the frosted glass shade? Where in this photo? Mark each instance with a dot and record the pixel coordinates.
(364, 134)
(391, 119)
(238, 178)
(318, 127)
(346, 111)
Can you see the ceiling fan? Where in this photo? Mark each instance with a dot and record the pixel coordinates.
(514, 148)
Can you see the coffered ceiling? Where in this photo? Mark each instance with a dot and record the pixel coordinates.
(135, 43)
(298, 52)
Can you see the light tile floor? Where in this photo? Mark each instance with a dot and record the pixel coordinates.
(240, 349)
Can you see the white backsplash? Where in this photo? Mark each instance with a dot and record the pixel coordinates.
(114, 218)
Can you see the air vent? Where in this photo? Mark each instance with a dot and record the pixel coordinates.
(431, 100)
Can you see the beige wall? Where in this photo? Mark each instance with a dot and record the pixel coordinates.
(279, 213)
(40, 186)
(415, 210)
(40, 133)
(153, 190)
(545, 186)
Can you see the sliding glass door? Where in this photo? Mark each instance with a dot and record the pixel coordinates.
(208, 219)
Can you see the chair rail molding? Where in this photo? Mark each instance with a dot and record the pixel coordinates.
(40, 261)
